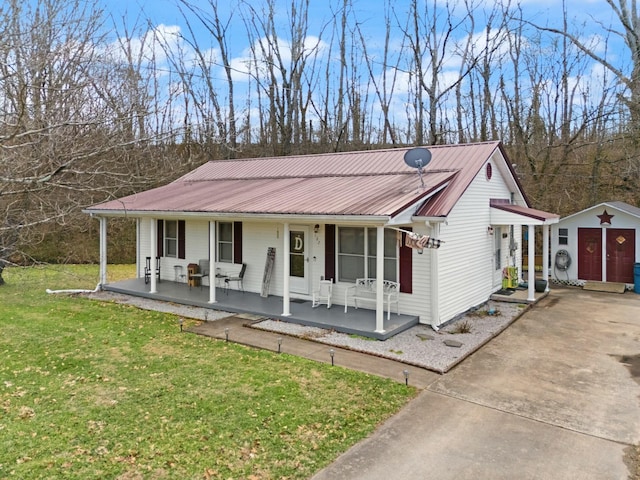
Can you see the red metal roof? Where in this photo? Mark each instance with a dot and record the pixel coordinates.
(524, 211)
(371, 183)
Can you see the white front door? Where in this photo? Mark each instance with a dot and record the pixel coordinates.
(299, 260)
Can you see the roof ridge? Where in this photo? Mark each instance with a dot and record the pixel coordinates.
(321, 175)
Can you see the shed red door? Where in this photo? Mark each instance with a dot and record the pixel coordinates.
(590, 254)
(621, 253)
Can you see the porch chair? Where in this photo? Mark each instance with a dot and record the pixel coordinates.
(322, 294)
(147, 269)
(239, 279)
(203, 271)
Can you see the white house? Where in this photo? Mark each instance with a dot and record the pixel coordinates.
(601, 244)
(342, 216)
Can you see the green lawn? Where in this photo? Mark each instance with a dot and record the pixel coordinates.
(99, 390)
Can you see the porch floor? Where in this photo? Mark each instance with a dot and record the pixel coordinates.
(519, 295)
(359, 321)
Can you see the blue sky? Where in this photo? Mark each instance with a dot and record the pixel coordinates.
(588, 17)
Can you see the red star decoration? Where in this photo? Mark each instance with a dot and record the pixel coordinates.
(605, 218)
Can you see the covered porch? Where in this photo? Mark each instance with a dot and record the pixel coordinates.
(356, 321)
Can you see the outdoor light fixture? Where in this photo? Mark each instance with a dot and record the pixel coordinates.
(180, 321)
(226, 334)
(279, 343)
(332, 353)
(406, 377)
(316, 228)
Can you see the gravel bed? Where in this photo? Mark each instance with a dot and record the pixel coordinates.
(420, 345)
(186, 311)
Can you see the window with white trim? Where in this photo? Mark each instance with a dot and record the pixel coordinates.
(225, 242)
(357, 254)
(171, 238)
(563, 236)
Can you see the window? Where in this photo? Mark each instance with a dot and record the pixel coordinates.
(497, 232)
(563, 236)
(171, 238)
(225, 242)
(357, 254)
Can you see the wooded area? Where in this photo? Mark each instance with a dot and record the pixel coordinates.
(95, 107)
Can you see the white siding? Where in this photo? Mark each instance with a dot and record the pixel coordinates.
(587, 219)
(419, 301)
(467, 274)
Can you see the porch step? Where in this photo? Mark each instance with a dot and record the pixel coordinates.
(611, 287)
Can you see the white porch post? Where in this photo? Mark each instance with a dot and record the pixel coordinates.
(286, 261)
(212, 262)
(103, 251)
(531, 281)
(545, 255)
(435, 285)
(153, 253)
(379, 279)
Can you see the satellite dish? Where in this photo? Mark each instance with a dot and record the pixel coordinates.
(418, 158)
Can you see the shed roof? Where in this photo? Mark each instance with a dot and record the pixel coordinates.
(364, 183)
(620, 206)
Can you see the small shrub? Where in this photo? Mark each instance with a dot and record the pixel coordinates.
(462, 327)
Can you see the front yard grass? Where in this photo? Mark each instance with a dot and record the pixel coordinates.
(99, 390)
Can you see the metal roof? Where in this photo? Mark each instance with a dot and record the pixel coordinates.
(367, 183)
(621, 206)
(527, 213)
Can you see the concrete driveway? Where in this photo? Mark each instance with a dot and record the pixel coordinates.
(556, 396)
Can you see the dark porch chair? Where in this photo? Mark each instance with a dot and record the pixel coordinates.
(147, 269)
(239, 279)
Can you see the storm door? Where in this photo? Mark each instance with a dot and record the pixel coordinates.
(299, 260)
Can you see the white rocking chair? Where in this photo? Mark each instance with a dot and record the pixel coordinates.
(322, 294)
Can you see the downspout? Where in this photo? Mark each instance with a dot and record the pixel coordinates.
(103, 251)
(76, 290)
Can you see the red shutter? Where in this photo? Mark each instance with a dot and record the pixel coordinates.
(181, 239)
(160, 238)
(406, 266)
(330, 252)
(237, 242)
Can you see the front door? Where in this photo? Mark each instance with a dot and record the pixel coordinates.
(621, 253)
(590, 254)
(299, 260)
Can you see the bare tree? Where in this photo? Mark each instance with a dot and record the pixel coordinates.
(66, 140)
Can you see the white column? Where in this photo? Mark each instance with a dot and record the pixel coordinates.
(212, 262)
(545, 255)
(379, 279)
(603, 242)
(103, 251)
(286, 261)
(153, 253)
(532, 264)
(435, 285)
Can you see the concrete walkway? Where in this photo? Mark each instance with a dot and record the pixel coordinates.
(556, 396)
